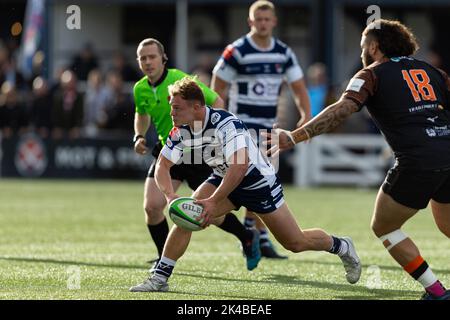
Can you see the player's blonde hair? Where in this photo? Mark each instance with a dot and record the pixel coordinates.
(260, 5)
(188, 89)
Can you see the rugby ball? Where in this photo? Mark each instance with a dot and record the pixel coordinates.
(184, 212)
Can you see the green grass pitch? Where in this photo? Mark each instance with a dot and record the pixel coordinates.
(87, 240)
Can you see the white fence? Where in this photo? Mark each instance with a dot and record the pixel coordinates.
(359, 160)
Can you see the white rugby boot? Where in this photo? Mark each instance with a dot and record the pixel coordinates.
(351, 262)
(152, 284)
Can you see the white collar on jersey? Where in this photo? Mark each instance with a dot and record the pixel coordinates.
(254, 45)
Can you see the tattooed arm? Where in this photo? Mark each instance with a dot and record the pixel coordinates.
(327, 120)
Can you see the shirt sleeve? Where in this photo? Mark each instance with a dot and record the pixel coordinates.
(173, 149)
(361, 87)
(233, 138)
(138, 101)
(227, 66)
(293, 70)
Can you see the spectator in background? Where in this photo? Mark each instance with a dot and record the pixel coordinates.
(13, 113)
(9, 72)
(119, 111)
(67, 112)
(320, 92)
(4, 57)
(38, 65)
(41, 107)
(203, 74)
(250, 73)
(127, 72)
(95, 101)
(84, 62)
(204, 68)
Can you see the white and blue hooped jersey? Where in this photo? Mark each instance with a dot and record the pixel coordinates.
(220, 137)
(256, 75)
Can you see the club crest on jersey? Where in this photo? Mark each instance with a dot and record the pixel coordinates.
(215, 118)
(279, 68)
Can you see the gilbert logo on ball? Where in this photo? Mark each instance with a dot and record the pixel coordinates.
(184, 213)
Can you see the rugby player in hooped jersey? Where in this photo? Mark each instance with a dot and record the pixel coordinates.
(409, 101)
(151, 97)
(250, 74)
(241, 177)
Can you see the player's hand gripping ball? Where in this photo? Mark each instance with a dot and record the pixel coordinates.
(184, 213)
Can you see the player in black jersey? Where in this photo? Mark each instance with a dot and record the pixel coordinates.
(409, 101)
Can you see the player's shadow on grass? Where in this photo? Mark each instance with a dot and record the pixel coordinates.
(127, 266)
(76, 263)
(366, 293)
(383, 267)
(271, 279)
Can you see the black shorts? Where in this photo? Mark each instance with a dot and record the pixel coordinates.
(415, 188)
(194, 174)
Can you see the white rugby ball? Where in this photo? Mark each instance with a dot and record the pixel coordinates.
(184, 212)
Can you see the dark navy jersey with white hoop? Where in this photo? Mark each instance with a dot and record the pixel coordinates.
(256, 75)
(220, 137)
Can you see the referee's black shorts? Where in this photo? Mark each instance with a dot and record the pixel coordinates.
(193, 174)
(415, 188)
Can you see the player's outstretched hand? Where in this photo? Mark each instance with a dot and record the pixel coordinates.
(279, 140)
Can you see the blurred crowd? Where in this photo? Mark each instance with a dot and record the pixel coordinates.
(81, 100)
(84, 100)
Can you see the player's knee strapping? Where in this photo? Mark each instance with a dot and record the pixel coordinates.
(393, 238)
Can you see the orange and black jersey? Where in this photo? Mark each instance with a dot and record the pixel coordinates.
(409, 100)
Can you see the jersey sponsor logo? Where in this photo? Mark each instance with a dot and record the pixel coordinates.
(215, 118)
(355, 84)
(250, 69)
(266, 68)
(431, 132)
(258, 89)
(438, 131)
(398, 59)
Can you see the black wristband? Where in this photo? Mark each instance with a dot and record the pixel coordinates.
(137, 137)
